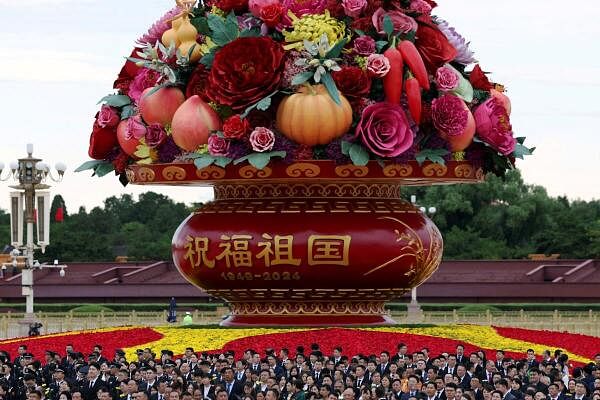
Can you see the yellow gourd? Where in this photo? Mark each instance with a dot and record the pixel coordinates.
(187, 34)
(170, 36)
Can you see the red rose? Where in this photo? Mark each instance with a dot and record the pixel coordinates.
(121, 162)
(197, 83)
(127, 74)
(271, 14)
(433, 47)
(244, 71)
(352, 81)
(102, 141)
(479, 80)
(227, 5)
(235, 127)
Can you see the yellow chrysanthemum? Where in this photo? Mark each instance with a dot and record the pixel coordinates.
(312, 27)
(207, 45)
(458, 156)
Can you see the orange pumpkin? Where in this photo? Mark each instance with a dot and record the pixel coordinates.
(311, 117)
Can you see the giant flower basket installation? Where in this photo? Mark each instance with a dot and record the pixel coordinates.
(307, 117)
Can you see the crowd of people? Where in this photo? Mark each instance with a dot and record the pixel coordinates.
(308, 375)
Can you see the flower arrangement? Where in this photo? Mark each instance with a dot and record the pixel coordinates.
(580, 348)
(232, 81)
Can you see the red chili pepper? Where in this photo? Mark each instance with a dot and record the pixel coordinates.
(413, 94)
(392, 81)
(413, 59)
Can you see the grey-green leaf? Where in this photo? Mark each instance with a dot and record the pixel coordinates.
(264, 104)
(302, 77)
(331, 88)
(259, 160)
(91, 164)
(203, 162)
(388, 25)
(222, 161)
(104, 169)
(359, 155)
(115, 100)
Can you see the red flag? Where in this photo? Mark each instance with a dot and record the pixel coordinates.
(60, 215)
(35, 215)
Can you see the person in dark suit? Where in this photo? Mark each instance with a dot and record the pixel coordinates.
(476, 387)
(384, 363)
(89, 387)
(580, 392)
(412, 387)
(461, 358)
(464, 380)
(502, 386)
(206, 387)
(531, 361)
(233, 388)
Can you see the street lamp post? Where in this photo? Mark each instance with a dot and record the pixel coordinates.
(415, 313)
(31, 174)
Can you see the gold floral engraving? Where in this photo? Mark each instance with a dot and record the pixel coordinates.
(250, 172)
(210, 172)
(351, 170)
(435, 169)
(303, 170)
(426, 258)
(145, 174)
(173, 173)
(395, 170)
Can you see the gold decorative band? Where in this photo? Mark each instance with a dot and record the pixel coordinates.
(294, 308)
(308, 190)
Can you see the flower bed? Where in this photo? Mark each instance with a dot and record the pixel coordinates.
(515, 342)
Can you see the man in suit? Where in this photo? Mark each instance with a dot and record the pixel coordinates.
(150, 382)
(206, 387)
(531, 361)
(430, 391)
(451, 367)
(499, 360)
(384, 363)
(460, 355)
(402, 349)
(361, 379)
(502, 386)
(161, 391)
(580, 392)
(92, 384)
(476, 387)
(464, 380)
(412, 387)
(234, 388)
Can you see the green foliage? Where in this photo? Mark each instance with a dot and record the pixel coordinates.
(504, 218)
(91, 308)
(479, 308)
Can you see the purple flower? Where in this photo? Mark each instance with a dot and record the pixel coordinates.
(168, 151)
(463, 54)
(364, 45)
(218, 146)
(384, 129)
(155, 135)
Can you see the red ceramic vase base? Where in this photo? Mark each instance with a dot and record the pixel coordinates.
(307, 320)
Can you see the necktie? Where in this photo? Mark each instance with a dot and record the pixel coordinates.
(91, 384)
(229, 388)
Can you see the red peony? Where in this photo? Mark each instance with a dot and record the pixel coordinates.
(479, 80)
(238, 6)
(433, 47)
(235, 127)
(121, 162)
(197, 83)
(352, 81)
(127, 74)
(271, 14)
(244, 71)
(102, 141)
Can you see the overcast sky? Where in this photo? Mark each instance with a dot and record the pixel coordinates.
(59, 57)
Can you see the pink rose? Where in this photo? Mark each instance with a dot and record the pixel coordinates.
(493, 126)
(218, 146)
(146, 78)
(136, 129)
(108, 117)
(257, 5)
(378, 65)
(262, 139)
(364, 45)
(155, 135)
(384, 129)
(420, 6)
(402, 23)
(353, 8)
(300, 8)
(447, 79)
(450, 115)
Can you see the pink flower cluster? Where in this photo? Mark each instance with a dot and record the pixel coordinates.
(449, 114)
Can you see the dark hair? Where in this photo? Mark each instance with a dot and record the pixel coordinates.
(452, 385)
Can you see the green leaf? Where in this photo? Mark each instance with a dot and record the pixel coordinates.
(254, 32)
(331, 88)
(381, 44)
(201, 25)
(359, 32)
(388, 25)
(359, 155)
(91, 164)
(259, 160)
(336, 50)
(115, 100)
(264, 104)
(104, 169)
(433, 155)
(222, 161)
(224, 30)
(204, 161)
(208, 58)
(127, 112)
(302, 77)
(346, 147)
(522, 151)
(521, 139)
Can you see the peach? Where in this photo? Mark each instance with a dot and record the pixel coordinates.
(160, 106)
(193, 123)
